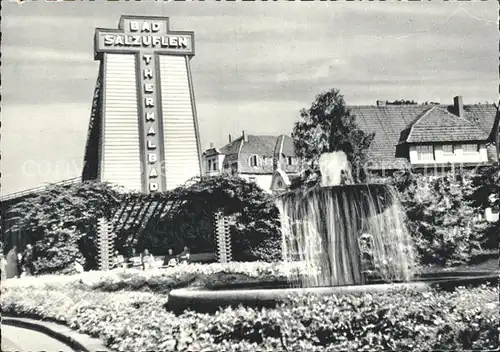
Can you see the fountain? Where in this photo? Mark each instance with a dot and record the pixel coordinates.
(350, 238)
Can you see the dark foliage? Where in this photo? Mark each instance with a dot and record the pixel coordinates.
(328, 126)
(61, 222)
(255, 231)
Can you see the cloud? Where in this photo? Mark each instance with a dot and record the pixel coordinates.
(256, 64)
(44, 55)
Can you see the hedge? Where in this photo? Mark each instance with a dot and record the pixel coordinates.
(164, 280)
(404, 321)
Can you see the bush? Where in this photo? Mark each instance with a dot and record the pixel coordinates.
(256, 219)
(444, 222)
(61, 221)
(404, 321)
(57, 252)
(164, 280)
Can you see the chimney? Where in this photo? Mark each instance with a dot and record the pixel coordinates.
(245, 137)
(380, 103)
(459, 106)
(230, 138)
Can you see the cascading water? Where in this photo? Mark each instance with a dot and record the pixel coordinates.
(345, 234)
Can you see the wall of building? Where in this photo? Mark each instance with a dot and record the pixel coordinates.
(263, 181)
(278, 183)
(179, 127)
(211, 159)
(120, 159)
(459, 156)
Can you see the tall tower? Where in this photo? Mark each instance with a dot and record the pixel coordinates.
(143, 133)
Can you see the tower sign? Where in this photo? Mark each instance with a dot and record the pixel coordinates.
(149, 138)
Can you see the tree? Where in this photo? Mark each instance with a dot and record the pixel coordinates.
(328, 126)
(61, 222)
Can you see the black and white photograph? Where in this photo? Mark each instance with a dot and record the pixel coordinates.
(243, 176)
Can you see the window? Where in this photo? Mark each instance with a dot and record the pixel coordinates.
(448, 149)
(470, 148)
(209, 165)
(425, 152)
(215, 165)
(255, 161)
(289, 160)
(234, 168)
(279, 184)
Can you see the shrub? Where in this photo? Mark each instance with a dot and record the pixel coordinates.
(445, 224)
(462, 320)
(256, 218)
(57, 252)
(164, 280)
(65, 212)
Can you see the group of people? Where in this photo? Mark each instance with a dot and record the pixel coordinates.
(148, 260)
(172, 259)
(23, 262)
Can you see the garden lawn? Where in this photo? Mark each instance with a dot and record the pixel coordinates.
(466, 319)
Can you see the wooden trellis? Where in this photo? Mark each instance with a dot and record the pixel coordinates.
(105, 243)
(223, 237)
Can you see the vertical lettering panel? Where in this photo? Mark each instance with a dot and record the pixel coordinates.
(180, 139)
(121, 161)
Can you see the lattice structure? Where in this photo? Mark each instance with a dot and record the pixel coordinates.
(223, 237)
(105, 243)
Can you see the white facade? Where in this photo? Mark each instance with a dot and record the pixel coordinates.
(212, 164)
(448, 153)
(263, 181)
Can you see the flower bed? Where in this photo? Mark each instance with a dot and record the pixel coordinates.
(135, 321)
(164, 280)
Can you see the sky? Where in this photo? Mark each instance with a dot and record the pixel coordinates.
(256, 65)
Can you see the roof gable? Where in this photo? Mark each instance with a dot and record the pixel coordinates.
(438, 125)
(232, 148)
(259, 145)
(390, 122)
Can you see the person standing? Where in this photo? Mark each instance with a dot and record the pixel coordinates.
(146, 259)
(28, 260)
(19, 264)
(3, 267)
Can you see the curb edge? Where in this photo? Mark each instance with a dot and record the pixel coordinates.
(33, 324)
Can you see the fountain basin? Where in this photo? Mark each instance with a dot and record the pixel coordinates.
(210, 299)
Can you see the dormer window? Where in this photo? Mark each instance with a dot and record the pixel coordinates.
(425, 152)
(448, 149)
(255, 161)
(289, 160)
(470, 148)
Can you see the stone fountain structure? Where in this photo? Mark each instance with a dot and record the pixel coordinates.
(351, 238)
(344, 232)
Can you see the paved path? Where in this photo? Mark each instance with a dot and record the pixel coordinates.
(16, 339)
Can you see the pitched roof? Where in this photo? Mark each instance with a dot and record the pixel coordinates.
(438, 125)
(388, 122)
(260, 145)
(392, 124)
(232, 147)
(284, 145)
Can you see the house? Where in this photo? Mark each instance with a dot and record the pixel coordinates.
(269, 161)
(431, 138)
